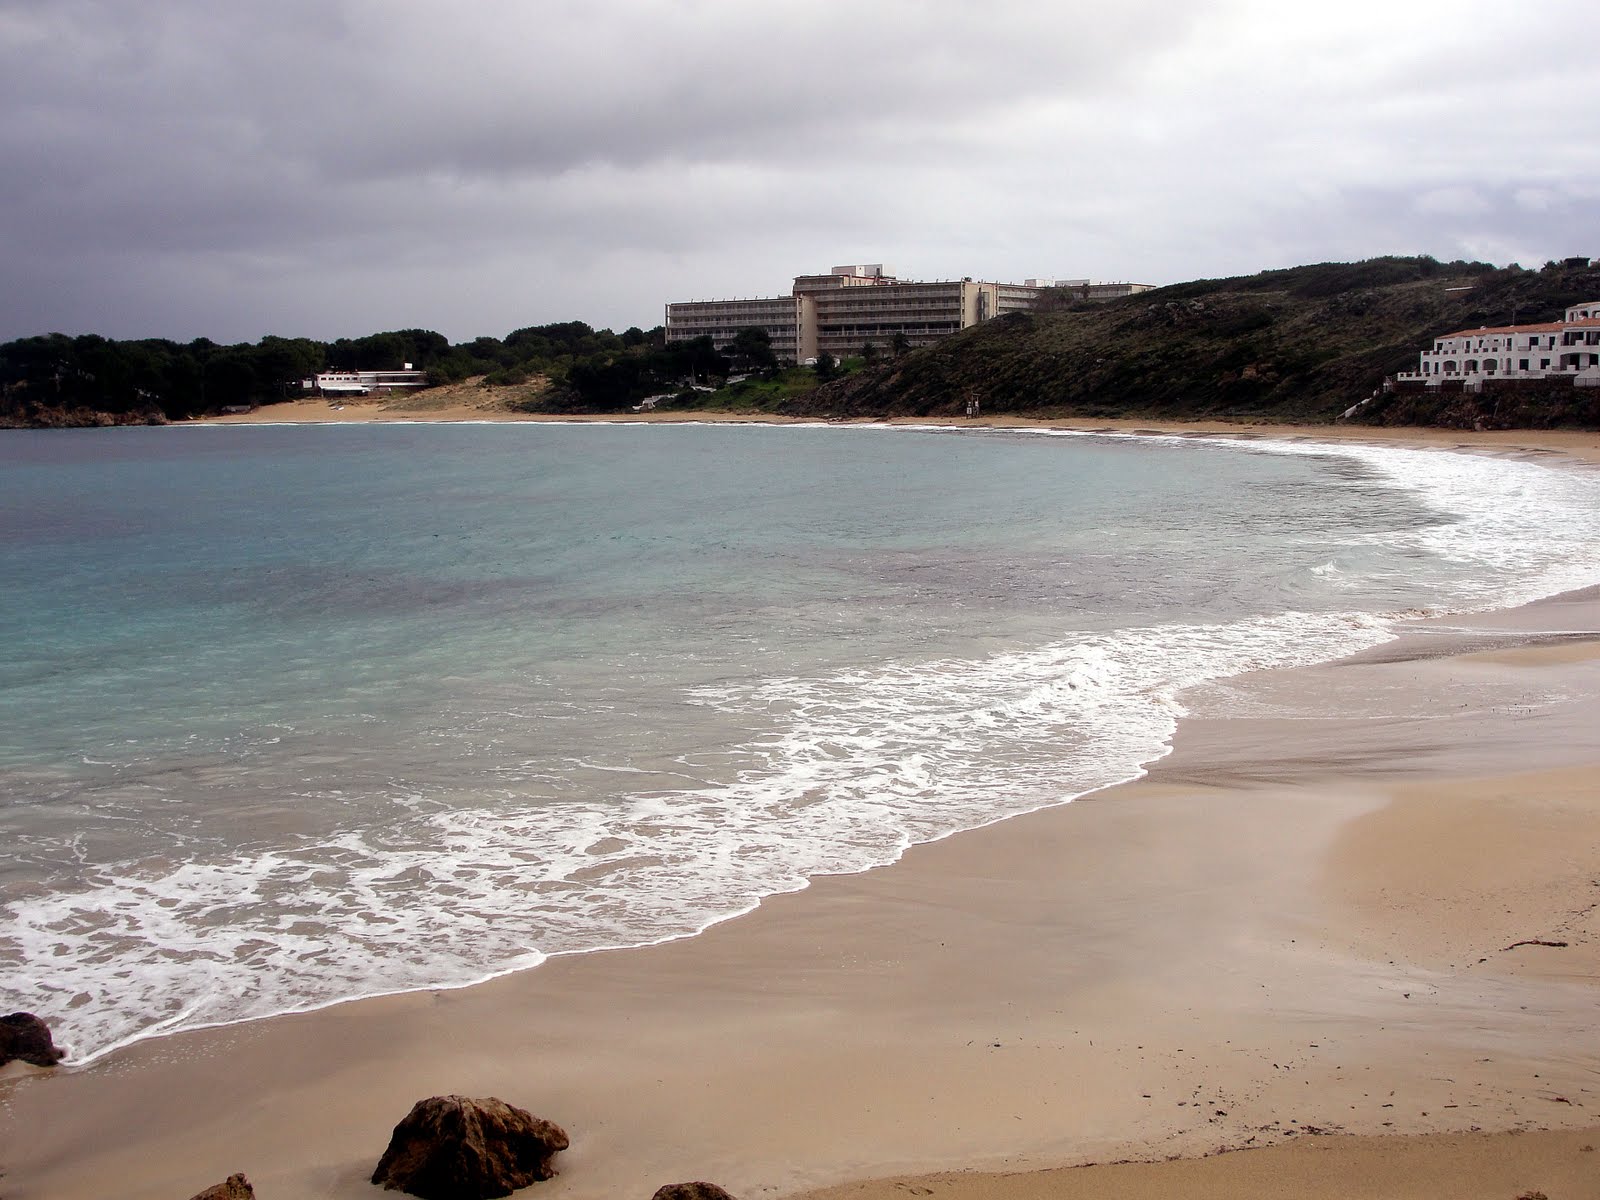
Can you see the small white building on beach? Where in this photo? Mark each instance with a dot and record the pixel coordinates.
(1564, 351)
(362, 383)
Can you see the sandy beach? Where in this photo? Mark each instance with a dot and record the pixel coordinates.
(459, 404)
(1347, 931)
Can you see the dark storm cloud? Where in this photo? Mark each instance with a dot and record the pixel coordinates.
(332, 168)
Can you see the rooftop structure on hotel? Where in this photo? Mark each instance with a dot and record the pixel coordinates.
(851, 306)
(1566, 351)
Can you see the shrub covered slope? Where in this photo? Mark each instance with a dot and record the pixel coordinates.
(1302, 344)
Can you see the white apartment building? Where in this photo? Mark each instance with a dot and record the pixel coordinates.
(840, 312)
(842, 318)
(1567, 350)
(1086, 289)
(721, 320)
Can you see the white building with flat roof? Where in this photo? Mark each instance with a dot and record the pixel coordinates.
(361, 383)
(721, 321)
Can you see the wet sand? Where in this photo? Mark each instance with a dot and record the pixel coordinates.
(1317, 924)
(1460, 1167)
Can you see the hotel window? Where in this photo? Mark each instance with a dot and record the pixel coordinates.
(1522, 364)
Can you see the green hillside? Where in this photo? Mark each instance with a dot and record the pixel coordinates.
(1302, 344)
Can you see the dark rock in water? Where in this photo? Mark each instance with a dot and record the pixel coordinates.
(699, 1190)
(455, 1148)
(24, 1036)
(235, 1187)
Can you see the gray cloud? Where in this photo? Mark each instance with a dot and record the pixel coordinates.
(184, 169)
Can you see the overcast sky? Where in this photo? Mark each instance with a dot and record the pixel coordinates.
(329, 168)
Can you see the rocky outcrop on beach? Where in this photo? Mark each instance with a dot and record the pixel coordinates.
(25, 1038)
(45, 416)
(456, 1148)
(699, 1190)
(234, 1187)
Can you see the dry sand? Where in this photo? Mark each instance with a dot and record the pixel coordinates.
(1300, 931)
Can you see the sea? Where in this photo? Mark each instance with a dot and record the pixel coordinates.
(291, 715)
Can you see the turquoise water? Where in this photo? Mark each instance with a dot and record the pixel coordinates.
(290, 715)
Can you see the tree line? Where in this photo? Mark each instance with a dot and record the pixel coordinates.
(156, 378)
(57, 379)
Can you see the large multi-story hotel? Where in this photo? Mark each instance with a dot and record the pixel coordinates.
(1565, 351)
(849, 307)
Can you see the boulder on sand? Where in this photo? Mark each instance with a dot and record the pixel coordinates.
(24, 1036)
(698, 1190)
(456, 1148)
(235, 1187)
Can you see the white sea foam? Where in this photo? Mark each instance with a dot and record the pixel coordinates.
(1522, 530)
(858, 766)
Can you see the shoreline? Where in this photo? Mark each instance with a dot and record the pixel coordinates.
(1578, 445)
(861, 1016)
